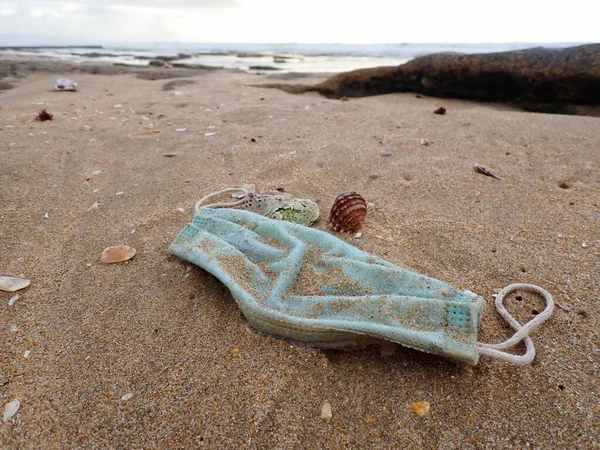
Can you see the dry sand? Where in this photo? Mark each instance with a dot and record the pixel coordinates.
(98, 332)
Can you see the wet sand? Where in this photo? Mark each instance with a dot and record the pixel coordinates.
(150, 328)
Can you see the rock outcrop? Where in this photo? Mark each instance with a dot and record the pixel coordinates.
(537, 79)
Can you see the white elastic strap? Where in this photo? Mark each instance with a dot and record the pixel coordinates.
(201, 202)
(522, 331)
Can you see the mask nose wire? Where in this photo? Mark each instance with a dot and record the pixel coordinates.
(203, 200)
(522, 331)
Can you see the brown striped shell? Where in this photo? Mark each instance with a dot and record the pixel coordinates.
(348, 213)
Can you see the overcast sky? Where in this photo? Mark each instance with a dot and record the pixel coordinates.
(307, 21)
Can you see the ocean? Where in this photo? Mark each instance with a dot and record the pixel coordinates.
(266, 58)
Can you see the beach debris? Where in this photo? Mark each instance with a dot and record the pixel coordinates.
(441, 111)
(64, 84)
(26, 354)
(425, 142)
(44, 115)
(420, 408)
(385, 155)
(13, 299)
(46, 216)
(10, 409)
(170, 155)
(12, 284)
(180, 129)
(117, 254)
(371, 419)
(209, 134)
(326, 414)
(93, 207)
(348, 213)
(235, 351)
(482, 170)
(282, 206)
(127, 397)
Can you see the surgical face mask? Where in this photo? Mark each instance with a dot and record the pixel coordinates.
(303, 284)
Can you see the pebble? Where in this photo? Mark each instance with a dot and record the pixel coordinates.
(13, 299)
(235, 351)
(209, 134)
(26, 354)
(326, 411)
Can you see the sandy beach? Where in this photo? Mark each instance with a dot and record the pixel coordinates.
(97, 176)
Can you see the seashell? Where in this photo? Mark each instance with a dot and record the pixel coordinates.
(482, 170)
(12, 284)
(117, 254)
(44, 115)
(10, 409)
(348, 213)
(64, 84)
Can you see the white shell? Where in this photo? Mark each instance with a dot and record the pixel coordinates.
(12, 284)
(126, 397)
(10, 409)
(64, 84)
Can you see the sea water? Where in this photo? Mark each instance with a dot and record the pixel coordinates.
(267, 58)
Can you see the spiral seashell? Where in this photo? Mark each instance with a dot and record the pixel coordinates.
(348, 213)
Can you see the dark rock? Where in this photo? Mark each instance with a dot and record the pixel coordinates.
(441, 111)
(264, 68)
(537, 79)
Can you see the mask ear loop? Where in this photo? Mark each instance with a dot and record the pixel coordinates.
(522, 331)
(203, 200)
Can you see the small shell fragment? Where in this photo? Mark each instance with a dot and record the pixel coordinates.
(420, 408)
(126, 397)
(13, 299)
(348, 213)
(12, 284)
(10, 409)
(482, 170)
(326, 411)
(425, 142)
(117, 254)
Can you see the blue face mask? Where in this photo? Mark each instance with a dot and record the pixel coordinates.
(306, 285)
